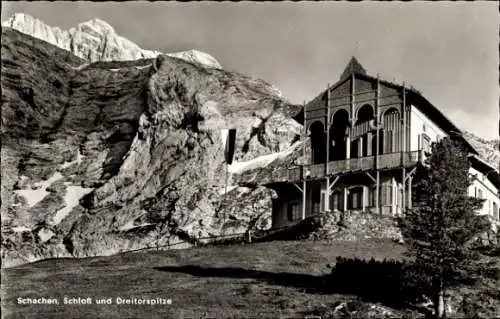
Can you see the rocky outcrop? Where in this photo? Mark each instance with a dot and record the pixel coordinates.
(96, 40)
(104, 157)
(489, 151)
(355, 226)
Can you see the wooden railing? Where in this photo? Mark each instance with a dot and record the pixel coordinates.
(317, 171)
(235, 238)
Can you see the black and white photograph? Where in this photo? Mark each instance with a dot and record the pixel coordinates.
(217, 159)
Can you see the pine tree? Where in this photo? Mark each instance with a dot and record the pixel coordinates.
(441, 228)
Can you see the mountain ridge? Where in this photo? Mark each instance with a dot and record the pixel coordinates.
(96, 40)
(99, 158)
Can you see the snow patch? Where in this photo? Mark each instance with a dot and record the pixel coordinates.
(130, 225)
(259, 162)
(71, 199)
(20, 229)
(78, 160)
(143, 67)
(80, 67)
(45, 235)
(229, 189)
(34, 196)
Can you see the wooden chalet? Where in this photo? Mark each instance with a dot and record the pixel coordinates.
(367, 137)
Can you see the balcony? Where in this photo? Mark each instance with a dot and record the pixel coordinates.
(318, 171)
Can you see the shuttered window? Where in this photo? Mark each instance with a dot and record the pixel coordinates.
(338, 201)
(356, 198)
(294, 212)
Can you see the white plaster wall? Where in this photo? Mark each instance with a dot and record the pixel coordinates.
(488, 190)
(417, 122)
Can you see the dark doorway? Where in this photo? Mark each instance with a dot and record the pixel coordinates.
(338, 132)
(318, 142)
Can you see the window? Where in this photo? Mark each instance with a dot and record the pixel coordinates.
(495, 210)
(338, 201)
(316, 209)
(294, 212)
(386, 194)
(355, 148)
(364, 145)
(316, 200)
(389, 142)
(356, 198)
(479, 193)
(371, 196)
(426, 143)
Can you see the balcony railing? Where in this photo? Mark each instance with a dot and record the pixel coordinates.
(317, 171)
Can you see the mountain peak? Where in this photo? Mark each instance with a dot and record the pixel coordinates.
(98, 25)
(96, 40)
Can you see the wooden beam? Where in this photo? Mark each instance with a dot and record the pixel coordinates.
(304, 201)
(304, 193)
(410, 173)
(333, 184)
(377, 150)
(372, 178)
(327, 192)
(403, 189)
(410, 179)
(403, 151)
(345, 200)
(298, 187)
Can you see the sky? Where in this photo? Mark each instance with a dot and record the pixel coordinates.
(447, 50)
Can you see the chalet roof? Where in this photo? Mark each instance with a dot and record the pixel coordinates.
(352, 67)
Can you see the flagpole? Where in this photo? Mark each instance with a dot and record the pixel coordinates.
(225, 195)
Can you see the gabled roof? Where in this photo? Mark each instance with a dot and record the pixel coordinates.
(352, 67)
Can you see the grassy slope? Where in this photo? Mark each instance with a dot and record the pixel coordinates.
(277, 279)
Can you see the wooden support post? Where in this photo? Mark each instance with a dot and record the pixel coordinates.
(369, 140)
(327, 192)
(377, 150)
(348, 144)
(410, 180)
(371, 177)
(333, 184)
(403, 152)
(363, 199)
(403, 187)
(298, 187)
(345, 200)
(360, 147)
(304, 200)
(351, 120)
(304, 190)
(394, 196)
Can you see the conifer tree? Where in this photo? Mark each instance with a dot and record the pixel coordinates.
(442, 227)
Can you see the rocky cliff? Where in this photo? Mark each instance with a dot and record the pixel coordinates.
(488, 150)
(96, 40)
(104, 157)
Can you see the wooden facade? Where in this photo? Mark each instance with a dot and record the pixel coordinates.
(361, 157)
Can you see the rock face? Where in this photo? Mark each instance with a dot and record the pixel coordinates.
(488, 150)
(104, 157)
(95, 40)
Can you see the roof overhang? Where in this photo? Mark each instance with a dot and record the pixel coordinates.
(491, 173)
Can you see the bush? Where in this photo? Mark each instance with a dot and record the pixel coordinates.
(389, 281)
